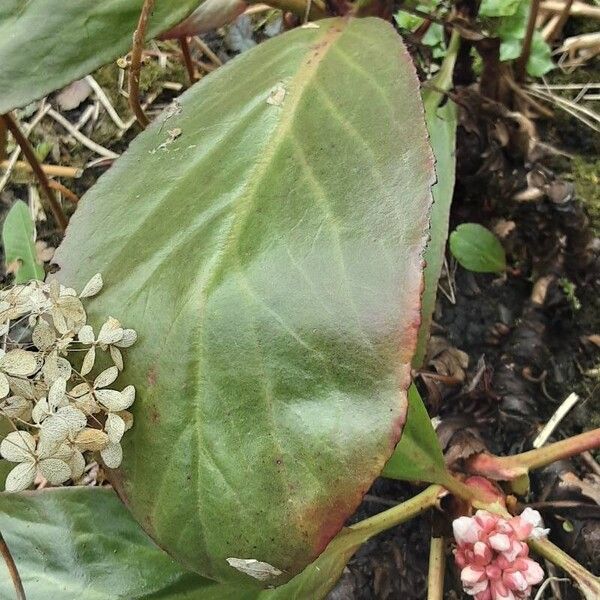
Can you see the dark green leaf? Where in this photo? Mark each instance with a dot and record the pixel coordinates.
(269, 257)
(45, 44)
(418, 456)
(82, 544)
(477, 249)
(19, 247)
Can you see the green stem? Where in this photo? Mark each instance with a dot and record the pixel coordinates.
(437, 569)
(442, 81)
(317, 10)
(589, 584)
(398, 514)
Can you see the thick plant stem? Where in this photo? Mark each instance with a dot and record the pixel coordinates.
(317, 9)
(403, 512)
(587, 582)
(29, 153)
(136, 64)
(521, 66)
(511, 467)
(437, 569)
(12, 569)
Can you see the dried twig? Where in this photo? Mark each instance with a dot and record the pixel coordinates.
(65, 191)
(578, 9)
(136, 63)
(80, 137)
(105, 101)
(205, 49)
(44, 108)
(12, 569)
(554, 421)
(521, 66)
(29, 153)
(187, 59)
(557, 24)
(52, 170)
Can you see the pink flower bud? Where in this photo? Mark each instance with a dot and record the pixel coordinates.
(493, 556)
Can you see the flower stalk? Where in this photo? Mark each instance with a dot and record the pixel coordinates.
(507, 468)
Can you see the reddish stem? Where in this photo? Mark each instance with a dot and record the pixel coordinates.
(29, 153)
(12, 569)
(510, 467)
(136, 64)
(187, 59)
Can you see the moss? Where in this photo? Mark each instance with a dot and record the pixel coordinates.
(586, 175)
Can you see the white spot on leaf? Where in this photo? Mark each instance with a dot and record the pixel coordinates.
(255, 568)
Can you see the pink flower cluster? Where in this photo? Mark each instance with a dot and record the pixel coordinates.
(494, 556)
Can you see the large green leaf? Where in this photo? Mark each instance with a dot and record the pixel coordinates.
(265, 240)
(45, 44)
(18, 232)
(418, 456)
(81, 544)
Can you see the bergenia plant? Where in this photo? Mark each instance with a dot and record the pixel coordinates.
(264, 239)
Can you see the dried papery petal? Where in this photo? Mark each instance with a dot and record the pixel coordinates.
(88, 361)
(106, 377)
(16, 407)
(111, 332)
(18, 446)
(4, 387)
(86, 335)
(67, 421)
(113, 400)
(41, 411)
(127, 419)
(91, 439)
(56, 471)
(22, 387)
(129, 338)
(56, 395)
(128, 394)
(76, 464)
(19, 362)
(117, 357)
(20, 478)
(44, 335)
(114, 427)
(68, 314)
(112, 456)
(56, 367)
(92, 287)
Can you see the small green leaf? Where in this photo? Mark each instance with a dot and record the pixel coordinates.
(18, 241)
(477, 249)
(418, 456)
(498, 8)
(511, 30)
(44, 45)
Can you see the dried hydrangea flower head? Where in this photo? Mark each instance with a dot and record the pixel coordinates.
(493, 555)
(59, 415)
